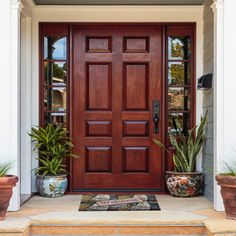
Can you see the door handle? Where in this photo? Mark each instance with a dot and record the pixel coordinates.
(156, 115)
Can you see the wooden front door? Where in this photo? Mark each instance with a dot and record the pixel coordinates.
(116, 80)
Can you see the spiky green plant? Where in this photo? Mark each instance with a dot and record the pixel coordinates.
(4, 168)
(229, 168)
(187, 146)
(51, 167)
(53, 145)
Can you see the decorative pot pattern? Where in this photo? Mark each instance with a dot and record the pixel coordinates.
(51, 186)
(6, 185)
(184, 184)
(228, 193)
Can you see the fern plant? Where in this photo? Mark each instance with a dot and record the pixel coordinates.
(53, 145)
(4, 168)
(187, 146)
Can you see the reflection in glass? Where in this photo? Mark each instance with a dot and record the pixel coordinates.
(182, 119)
(178, 99)
(179, 48)
(55, 99)
(55, 73)
(56, 118)
(55, 47)
(179, 73)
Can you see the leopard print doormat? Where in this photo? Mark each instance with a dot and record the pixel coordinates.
(113, 202)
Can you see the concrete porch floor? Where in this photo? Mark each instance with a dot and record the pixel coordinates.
(43, 216)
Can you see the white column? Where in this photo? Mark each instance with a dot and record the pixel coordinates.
(10, 94)
(26, 150)
(218, 85)
(229, 80)
(224, 88)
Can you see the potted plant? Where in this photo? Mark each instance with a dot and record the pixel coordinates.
(54, 146)
(185, 181)
(7, 182)
(227, 181)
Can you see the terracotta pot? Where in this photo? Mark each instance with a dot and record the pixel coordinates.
(6, 185)
(228, 193)
(184, 184)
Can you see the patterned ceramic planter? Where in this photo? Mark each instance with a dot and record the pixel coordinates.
(181, 184)
(51, 186)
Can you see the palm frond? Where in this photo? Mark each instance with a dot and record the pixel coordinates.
(53, 144)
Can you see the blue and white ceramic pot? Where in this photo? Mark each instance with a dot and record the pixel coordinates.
(51, 186)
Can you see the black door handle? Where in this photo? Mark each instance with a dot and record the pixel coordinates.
(156, 121)
(156, 115)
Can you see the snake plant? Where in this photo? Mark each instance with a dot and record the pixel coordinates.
(187, 146)
(54, 145)
(4, 168)
(229, 168)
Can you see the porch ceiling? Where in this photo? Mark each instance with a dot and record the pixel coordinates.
(118, 2)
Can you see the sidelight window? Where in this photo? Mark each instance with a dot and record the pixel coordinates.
(180, 85)
(55, 79)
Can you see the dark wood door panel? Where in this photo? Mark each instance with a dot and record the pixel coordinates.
(125, 181)
(117, 75)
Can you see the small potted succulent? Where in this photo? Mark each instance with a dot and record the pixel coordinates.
(227, 182)
(185, 181)
(54, 146)
(7, 182)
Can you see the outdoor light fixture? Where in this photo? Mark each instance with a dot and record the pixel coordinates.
(205, 82)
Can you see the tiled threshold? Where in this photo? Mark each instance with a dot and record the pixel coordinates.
(44, 217)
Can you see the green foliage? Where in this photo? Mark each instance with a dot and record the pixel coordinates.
(186, 147)
(4, 168)
(58, 71)
(54, 145)
(177, 49)
(177, 73)
(51, 167)
(229, 168)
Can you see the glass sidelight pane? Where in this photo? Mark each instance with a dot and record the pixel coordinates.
(178, 99)
(179, 48)
(56, 118)
(179, 73)
(55, 47)
(55, 99)
(55, 73)
(182, 119)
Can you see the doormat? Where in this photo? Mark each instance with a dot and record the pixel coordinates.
(113, 202)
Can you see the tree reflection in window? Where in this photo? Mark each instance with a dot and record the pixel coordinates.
(55, 80)
(179, 48)
(179, 83)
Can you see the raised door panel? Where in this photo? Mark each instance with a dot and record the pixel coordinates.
(135, 128)
(98, 44)
(135, 86)
(99, 88)
(98, 159)
(135, 159)
(136, 44)
(98, 128)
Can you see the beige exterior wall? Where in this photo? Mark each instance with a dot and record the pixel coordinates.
(208, 47)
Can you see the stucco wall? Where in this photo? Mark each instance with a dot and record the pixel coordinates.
(207, 156)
